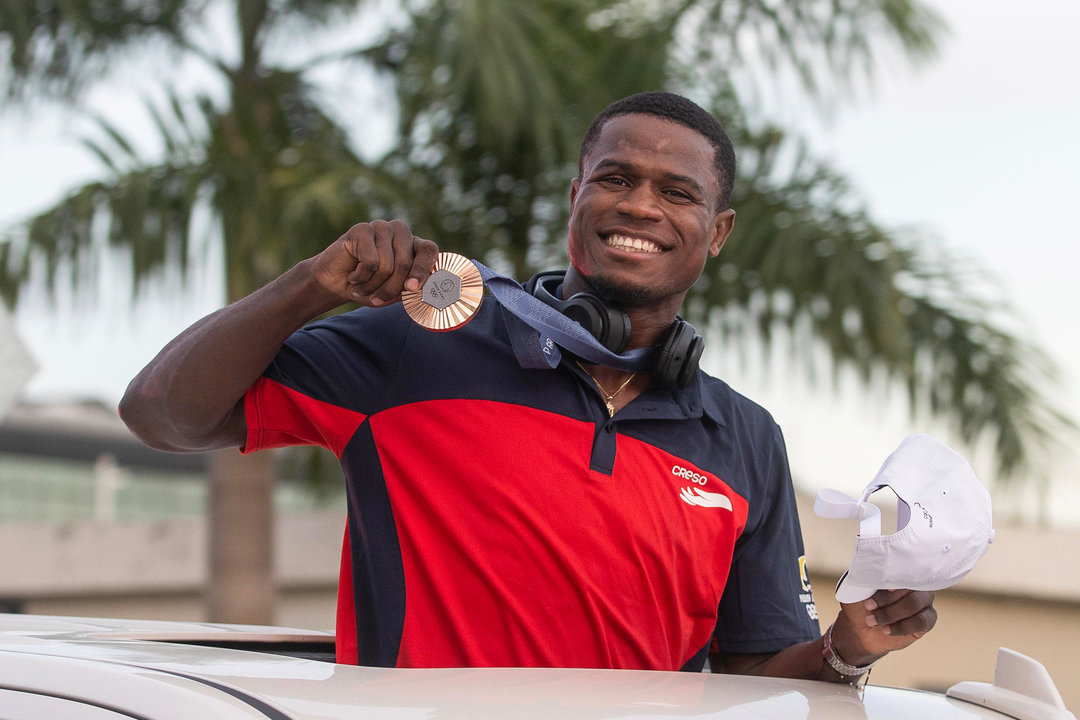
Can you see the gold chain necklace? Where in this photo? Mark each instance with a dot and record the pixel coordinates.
(609, 398)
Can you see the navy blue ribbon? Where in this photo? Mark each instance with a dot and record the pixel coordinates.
(539, 332)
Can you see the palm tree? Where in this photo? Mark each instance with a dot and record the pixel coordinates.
(492, 97)
(482, 167)
(257, 160)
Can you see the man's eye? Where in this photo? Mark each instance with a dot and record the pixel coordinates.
(614, 181)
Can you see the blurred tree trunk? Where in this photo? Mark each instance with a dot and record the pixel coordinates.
(241, 584)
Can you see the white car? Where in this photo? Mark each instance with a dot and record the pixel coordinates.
(85, 669)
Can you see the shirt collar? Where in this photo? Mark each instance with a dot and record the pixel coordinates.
(704, 402)
(690, 402)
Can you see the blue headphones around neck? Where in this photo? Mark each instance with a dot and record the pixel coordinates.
(678, 353)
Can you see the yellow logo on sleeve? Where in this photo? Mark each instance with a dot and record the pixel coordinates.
(806, 597)
(803, 575)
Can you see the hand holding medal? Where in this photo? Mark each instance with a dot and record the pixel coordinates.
(449, 297)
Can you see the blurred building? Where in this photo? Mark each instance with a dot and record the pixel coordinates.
(95, 523)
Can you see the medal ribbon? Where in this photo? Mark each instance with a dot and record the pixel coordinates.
(539, 332)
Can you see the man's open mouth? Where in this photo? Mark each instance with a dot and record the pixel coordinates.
(632, 244)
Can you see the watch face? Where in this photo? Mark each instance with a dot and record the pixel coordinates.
(449, 297)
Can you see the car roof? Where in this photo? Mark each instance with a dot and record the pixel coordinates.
(163, 670)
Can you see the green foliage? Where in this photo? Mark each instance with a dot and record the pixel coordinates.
(56, 48)
(492, 98)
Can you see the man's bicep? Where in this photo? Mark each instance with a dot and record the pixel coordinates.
(233, 432)
(230, 433)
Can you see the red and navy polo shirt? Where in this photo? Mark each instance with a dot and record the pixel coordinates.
(498, 517)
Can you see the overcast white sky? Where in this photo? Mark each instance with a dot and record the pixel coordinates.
(979, 149)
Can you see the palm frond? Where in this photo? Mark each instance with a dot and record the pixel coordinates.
(807, 261)
(492, 98)
(54, 49)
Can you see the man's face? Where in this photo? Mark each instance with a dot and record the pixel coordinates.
(643, 214)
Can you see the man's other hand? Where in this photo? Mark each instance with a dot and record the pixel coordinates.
(888, 620)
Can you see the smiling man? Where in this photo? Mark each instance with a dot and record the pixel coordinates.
(580, 516)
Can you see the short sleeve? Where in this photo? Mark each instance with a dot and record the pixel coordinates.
(767, 603)
(324, 382)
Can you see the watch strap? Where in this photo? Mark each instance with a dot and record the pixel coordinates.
(849, 672)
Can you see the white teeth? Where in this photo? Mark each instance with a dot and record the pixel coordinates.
(629, 244)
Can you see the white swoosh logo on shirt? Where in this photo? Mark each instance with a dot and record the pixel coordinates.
(703, 498)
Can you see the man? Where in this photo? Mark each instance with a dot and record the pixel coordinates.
(579, 516)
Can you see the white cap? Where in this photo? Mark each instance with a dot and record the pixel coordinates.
(943, 522)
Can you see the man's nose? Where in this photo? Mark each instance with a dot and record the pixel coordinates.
(640, 202)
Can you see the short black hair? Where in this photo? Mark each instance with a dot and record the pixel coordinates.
(677, 109)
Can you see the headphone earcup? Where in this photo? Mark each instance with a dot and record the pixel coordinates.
(678, 356)
(608, 325)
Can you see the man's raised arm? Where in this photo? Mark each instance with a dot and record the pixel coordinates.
(190, 396)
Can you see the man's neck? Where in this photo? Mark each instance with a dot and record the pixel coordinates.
(647, 323)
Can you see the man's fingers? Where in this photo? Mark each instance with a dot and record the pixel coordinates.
(424, 256)
(902, 612)
(388, 258)
(362, 243)
(882, 598)
(395, 242)
(375, 261)
(916, 625)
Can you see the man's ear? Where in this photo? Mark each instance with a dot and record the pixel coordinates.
(723, 224)
(575, 186)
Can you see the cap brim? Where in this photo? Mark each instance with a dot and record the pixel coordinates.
(848, 592)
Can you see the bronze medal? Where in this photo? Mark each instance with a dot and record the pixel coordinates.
(449, 297)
